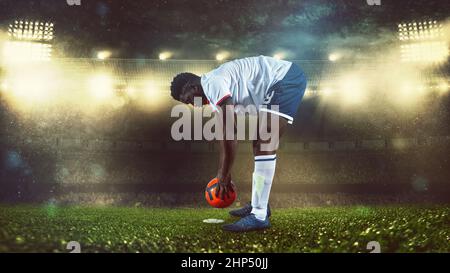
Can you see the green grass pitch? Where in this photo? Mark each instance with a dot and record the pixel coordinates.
(119, 229)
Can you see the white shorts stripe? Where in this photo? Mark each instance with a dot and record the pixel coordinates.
(289, 118)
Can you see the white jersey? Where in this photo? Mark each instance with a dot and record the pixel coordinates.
(246, 81)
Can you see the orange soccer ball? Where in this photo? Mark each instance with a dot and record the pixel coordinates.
(215, 201)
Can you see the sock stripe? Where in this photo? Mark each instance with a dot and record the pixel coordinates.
(266, 159)
(265, 156)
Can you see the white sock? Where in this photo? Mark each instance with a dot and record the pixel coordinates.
(262, 183)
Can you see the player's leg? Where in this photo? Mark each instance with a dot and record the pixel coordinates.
(261, 168)
(265, 156)
(265, 161)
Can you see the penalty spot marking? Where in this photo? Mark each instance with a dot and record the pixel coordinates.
(213, 221)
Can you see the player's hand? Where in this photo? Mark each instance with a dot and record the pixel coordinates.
(225, 186)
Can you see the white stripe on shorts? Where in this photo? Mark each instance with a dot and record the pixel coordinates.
(289, 118)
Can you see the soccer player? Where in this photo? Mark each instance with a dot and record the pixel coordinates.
(273, 86)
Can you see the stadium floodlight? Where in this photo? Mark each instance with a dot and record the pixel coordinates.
(28, 41)
(425, 52)
(443, 87)
(279, 55)
(419, 31)
(221, 56)
(19, 51)
(333, 57)
(104, 54)
(423, 42)
(31, 31)
(165, 55)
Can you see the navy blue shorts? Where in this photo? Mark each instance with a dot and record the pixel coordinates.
(286, 94)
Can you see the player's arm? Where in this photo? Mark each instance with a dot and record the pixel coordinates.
(227, 150)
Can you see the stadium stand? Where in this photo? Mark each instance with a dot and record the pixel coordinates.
(65, 152)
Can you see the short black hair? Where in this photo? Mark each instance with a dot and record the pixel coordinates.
(179, 81)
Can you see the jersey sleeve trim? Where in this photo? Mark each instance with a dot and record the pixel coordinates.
(223, 98)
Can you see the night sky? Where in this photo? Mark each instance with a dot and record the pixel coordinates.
(198, 29)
